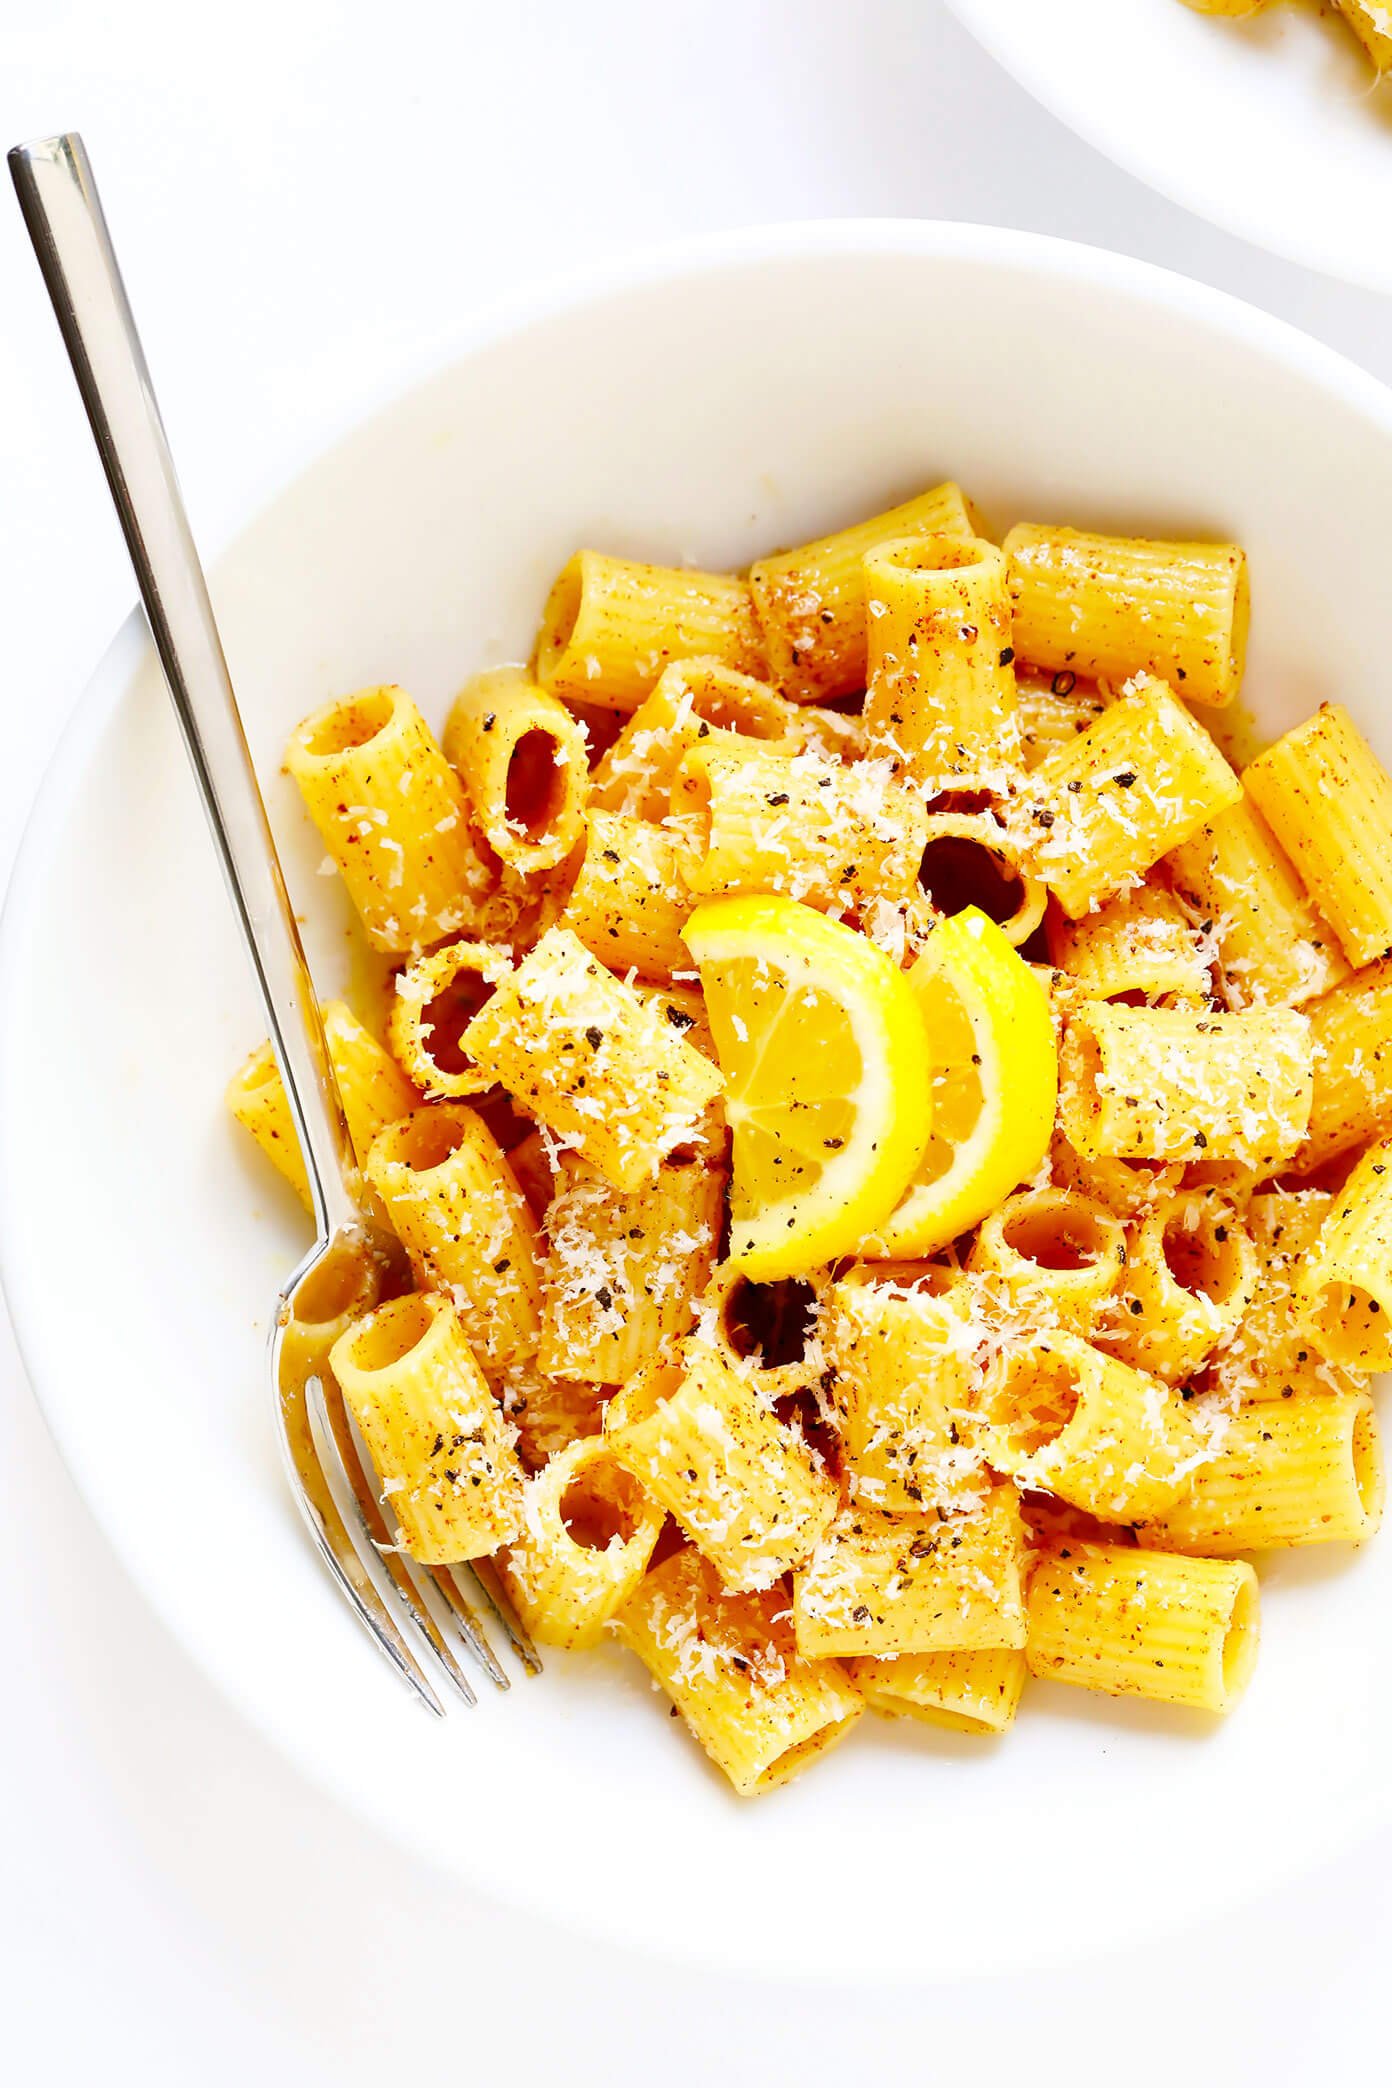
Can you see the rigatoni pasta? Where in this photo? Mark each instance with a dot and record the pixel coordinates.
(612, 625)
(1328, 801)
(811, 602)
(1304, 1470)
(450, 1476)
(1113, 607)
(374, 1093)
(1273, 946)
(601, 1067)
(1144, 1623)
(522, 758)
(1108, 806)
(940, 698)
(731, 1667)
(694, 700)
(393, 816)
(889, 1139)
(1177, 1084)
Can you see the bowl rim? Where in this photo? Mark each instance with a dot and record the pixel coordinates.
(1092, 120)
(929, 240)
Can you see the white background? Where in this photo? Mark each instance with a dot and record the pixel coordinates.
(308, 193)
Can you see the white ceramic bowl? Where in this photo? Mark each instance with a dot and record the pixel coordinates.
(1269, 126)
(702, 405)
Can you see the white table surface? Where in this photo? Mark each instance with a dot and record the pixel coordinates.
(303, 191)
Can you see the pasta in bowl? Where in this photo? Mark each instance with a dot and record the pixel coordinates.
(434, 551)
(882, 1521)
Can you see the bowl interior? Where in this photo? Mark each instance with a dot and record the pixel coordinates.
(702, 410)
(1268, 125)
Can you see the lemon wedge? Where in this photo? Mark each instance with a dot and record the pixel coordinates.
(994, 1080)
(827, 1068)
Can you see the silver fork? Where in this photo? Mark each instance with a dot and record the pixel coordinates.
(420, 1618)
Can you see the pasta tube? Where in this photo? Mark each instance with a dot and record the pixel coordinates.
(436, 997)
(1274, 948)
(374, 1093)
(1175, 1084)
(1124, 793)
(940, 696)
(1328, 801)
(434, 1432)
(729, 1664)
(970, 859)
(694, 700)
(900, 1359)
(1054, 709)
(811, 602)
(393, 816)
(630, 901)
(1059, 1416)
(611, 626)
(587, 1534)
(1052, 1254)
(962, 1692)
(764, 821)
(461, 1217)
(1269, 1353)
(1304, 1470)
(1190, 1276)
(625, 1267)
(1345, 1283)
(1143, 1623)
(1351, 1045)
(1111, 607)
(524, 765)
(887, 1584)
(747, 1491)
(1141, 942)
(587, 1056)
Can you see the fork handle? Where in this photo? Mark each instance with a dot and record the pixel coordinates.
(63, 213)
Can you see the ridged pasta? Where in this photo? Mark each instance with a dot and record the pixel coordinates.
(811, 602)
(1328, 801)
(694, 700)
(1273, 946)
(436, 997)
(373, 1090)
(1053, 1255)
(765, 821)
(612, 625)
(962, 1692)
(1190, 1274)
(1140, 943)
(730, 1666)
(1144, 1623)
(886, 1584)
(450, 1476)
(587, 1534)
(1108, 806)
(630, 899)
(393, 816)
(746, 1489)
(1065, 1418)
(1177, 1084)
(1305, 1470)
(624, 1268)
(1345, 1283)
(522, 758)
(940, 700)
(587, 1056)
(461, 1217)
(1111, 607)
